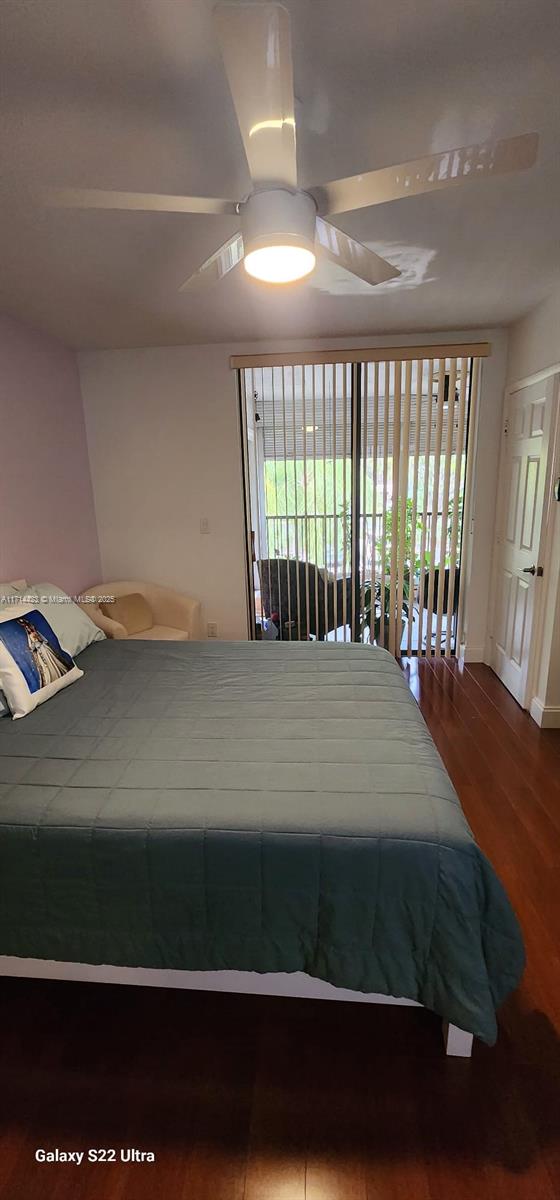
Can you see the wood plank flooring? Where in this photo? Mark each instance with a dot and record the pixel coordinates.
(244, 1098)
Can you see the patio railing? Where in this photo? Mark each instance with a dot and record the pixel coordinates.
(325, 539)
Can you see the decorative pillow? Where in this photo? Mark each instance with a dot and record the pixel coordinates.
(7, 591)
(133, 611)
(72, 626)
(33, 665)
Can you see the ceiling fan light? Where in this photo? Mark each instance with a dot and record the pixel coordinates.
(278, 230)
(279, 264)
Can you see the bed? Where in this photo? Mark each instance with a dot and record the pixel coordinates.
(250, 816)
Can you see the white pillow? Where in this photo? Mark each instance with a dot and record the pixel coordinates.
(12, 588)
(74, 629)
(33, 664)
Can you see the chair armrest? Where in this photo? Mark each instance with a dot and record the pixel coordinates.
(112, 629)
(175, 609)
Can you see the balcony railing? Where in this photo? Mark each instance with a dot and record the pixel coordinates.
(325, 539)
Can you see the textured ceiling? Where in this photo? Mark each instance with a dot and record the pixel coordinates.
(130, 94)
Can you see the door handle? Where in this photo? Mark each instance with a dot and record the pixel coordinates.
(533, 571)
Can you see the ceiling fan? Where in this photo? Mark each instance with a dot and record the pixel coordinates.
(283, 228)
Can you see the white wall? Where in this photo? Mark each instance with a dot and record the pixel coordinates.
(534, 345)
(478, 544)
(164, 450)
(47, 520)
(534, 341)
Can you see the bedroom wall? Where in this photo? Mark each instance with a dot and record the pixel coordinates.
(47, 520)
(164, 452)
(534, 341)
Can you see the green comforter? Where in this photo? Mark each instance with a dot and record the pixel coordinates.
(250, 806)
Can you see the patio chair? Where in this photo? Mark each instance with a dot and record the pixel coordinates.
(290, 600)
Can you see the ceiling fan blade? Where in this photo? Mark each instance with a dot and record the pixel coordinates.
(133, 201)
(219, 264)
(428, 174)
(341, 249)
(256, 48)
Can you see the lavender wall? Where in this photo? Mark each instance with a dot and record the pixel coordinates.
(47, 520)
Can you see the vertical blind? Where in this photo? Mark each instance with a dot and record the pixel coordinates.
(355, 476)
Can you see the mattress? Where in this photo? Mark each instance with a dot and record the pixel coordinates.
(250, 806)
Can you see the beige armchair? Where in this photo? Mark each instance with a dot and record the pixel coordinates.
(163, 614)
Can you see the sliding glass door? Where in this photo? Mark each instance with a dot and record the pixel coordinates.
(354, 478)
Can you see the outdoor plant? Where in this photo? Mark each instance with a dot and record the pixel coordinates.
(380, 602)
(376, 610)
(376, 604)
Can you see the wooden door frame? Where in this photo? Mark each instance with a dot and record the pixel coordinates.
(545, 540)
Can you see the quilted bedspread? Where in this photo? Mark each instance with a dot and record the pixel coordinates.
(250, 806)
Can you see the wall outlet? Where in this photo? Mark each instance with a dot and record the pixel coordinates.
(212, 629)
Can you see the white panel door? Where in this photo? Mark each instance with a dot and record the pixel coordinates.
(523, 475)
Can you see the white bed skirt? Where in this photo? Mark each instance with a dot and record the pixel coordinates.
(296, 985)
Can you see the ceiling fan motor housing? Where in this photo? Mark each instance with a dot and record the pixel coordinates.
(278, 218)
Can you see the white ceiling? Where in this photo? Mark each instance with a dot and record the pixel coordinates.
(130, 94)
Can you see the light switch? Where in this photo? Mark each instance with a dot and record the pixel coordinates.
(204, 525)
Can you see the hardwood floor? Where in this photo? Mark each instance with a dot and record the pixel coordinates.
(243, 1098)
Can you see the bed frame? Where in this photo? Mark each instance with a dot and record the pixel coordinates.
(457, 1042)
